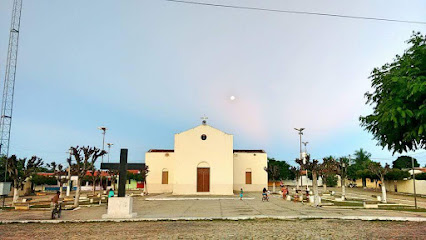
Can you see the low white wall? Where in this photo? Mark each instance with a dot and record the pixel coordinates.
(406, 186)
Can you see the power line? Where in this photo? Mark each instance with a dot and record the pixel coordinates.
(296, 12)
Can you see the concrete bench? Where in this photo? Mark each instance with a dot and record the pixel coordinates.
(371, 204)
(22, 206)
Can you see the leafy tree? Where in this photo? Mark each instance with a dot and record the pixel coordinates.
(328, 168)
(398, 120)
(85, 158)
(380, 172)
(20, 171)
(421, 176)
(283, 168)
(314, 167)
(273, 174)
(43, 180)
(60, 174)
(331, 180)
(404, 162)
(397, 174)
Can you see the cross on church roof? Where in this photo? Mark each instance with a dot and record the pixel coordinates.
(204, 118)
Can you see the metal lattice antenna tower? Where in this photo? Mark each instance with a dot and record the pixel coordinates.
(9, 80)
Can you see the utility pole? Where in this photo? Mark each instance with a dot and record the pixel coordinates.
(9, 81)
(414, 183)
(300, 130)
(103, 129)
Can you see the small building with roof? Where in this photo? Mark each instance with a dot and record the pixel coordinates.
(204, 162)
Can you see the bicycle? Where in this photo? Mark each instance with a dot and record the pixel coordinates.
(56, 211)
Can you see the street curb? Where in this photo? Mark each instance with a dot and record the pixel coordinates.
(240, 218)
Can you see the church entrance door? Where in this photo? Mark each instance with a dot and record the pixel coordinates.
(203, 179)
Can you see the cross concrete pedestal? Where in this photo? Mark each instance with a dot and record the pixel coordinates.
(121, 206)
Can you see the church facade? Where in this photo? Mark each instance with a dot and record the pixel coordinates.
(204, 162)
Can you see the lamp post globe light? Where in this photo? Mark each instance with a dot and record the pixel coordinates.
(103, 129)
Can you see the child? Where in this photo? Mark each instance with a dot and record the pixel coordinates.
(241, 194)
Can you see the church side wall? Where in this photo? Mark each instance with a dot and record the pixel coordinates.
(215, 152)
(254, 162)
(157, 162)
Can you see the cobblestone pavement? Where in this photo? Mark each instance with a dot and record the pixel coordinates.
(251, 229)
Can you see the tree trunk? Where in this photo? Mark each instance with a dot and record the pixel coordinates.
(77, 193)
(273, 186)
(68, 188)
(15, 194)
(383, 191)
(343, 189)
(315, 188)
(364, 182)
(297, 182)
(324, 185)
(94, 186)
(60, 189)
(145, 187)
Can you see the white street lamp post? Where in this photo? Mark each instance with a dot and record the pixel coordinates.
(300, 130)
(103, 129)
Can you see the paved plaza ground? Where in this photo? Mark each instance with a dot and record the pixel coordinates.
(169, 207)
(164, 207)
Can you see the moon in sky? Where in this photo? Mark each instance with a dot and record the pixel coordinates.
(232, 98)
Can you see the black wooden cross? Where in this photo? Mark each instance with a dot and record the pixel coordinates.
(123, 166)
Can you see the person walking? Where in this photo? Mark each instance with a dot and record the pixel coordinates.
(241, 194)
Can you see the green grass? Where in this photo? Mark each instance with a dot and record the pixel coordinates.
(401, 208)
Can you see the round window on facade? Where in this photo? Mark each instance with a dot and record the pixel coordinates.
(203, 137)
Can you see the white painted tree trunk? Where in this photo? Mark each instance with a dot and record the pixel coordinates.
(315, 188)
(343, 189)
(324, 185)
(383, 191)
(273, 186)
(15, 194)
(60, 189)
(77, 193)
(297, 183)
(68, 188)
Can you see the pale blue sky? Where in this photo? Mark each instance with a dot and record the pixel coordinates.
(147, 69)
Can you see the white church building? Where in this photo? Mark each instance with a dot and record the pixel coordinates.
(204, 161)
